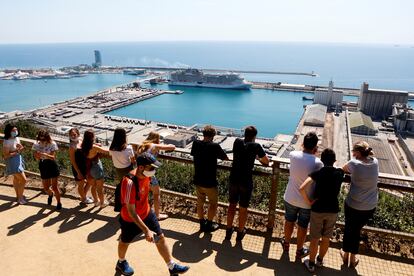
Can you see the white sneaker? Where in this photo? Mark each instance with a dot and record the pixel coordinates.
(88, 200)
(310, 266)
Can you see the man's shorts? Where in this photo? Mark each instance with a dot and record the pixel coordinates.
(293, 214)
(129, 230)
(240, 194)
(322, 225)
(210, 193)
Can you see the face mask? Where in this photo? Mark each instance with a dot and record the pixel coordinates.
(75, 140)
(14, 133)
(149, 173)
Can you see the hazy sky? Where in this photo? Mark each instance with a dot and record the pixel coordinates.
(350, 21)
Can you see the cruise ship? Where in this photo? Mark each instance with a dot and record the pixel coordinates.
(197, 78)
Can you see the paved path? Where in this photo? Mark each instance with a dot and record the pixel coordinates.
(37, 240)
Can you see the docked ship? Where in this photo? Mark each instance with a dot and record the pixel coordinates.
(197, 78)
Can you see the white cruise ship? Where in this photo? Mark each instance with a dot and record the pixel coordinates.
(197, 78)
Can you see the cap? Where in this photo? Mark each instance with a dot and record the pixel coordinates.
(147, 159)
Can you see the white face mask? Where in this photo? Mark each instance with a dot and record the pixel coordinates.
(75, 140)
(14, 133)
(149, 173)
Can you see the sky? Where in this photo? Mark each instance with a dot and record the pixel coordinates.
(342, 21)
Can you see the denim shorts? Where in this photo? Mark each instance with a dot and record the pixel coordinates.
(14, 164)
(301, 215)
(97, 170)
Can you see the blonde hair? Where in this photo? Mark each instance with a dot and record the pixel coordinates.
(363, 148)
(152, 138)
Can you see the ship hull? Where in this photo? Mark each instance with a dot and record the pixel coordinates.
(239, 86)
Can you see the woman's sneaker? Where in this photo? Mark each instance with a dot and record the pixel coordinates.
(124, 268)
(59, 206)
(319, 262)
(49, 199)
(309, 265)
(229, 232)
(22, 201)
(179, 269)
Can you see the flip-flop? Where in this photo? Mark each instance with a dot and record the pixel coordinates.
(344, 260)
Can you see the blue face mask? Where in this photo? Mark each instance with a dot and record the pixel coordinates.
(14, 133)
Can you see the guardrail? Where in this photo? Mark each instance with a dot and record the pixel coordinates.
(278, 167)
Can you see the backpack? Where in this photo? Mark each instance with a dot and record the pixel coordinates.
(118, 202)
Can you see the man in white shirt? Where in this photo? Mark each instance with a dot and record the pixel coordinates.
(302, 163)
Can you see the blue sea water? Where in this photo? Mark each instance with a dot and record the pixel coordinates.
(382, 66)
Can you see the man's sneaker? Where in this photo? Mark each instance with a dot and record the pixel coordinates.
(124, 268)
(319, 262)
(49, 199)
(211, 226)
(229, 232)
(302, 253)
(285, 245)
(59, 206)
(179, 269)
(241, 234)
(309, 265)
(203, 225)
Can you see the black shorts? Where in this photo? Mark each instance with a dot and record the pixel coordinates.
(75, 174)
(240, 194)
(129, 230)
(48, 169)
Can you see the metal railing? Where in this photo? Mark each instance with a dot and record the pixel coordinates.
(278, 167)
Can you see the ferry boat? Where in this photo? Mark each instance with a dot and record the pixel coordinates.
(197, 78)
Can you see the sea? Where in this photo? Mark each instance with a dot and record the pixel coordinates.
(273, 112)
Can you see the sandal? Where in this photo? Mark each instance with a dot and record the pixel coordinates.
(344, 260)
(354, 264)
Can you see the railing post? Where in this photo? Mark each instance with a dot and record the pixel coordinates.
(273, 194)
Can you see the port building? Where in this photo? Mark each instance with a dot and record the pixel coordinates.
(377, 103)
(181, 139)
(359, 123)
(315, 115)
(330, 97)
(403, 118)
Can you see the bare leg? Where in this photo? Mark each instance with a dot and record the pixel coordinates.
(92, 183)
(301, 237)
(163, 249)
(99, 189)
(323, 248)
(242, 218)
(200, 206)
(231, 211)
(19, 181)
(81, 190)
(54, 182)
(314, 249)
(122, 249)
(288, 229)
(46, 186)
(212, 210)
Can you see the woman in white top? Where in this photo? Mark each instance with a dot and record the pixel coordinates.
(122, 154)
(94, 169)
(362, 198)
(45, 152)
(152, 145)
(12, 149)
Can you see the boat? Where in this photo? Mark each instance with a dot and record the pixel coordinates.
(134, 72)
(304, 98)
(197, 78)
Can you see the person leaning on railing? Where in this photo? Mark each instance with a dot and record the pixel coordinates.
(152, 145)
(122, 154)
(362, 198)
(12, 149)
(78, 161)
(245, 153)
